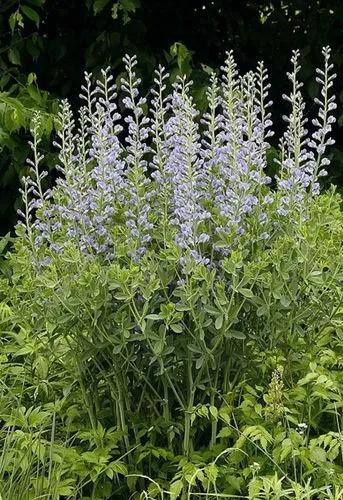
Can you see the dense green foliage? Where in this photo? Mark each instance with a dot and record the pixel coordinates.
(45, 47)
(202, 367)
(195, 388)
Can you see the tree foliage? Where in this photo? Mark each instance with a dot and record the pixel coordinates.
(45, 47)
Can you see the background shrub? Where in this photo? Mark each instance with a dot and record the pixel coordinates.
(45, 47)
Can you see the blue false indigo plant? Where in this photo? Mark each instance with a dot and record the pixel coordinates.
(167, 268)
(201, 182)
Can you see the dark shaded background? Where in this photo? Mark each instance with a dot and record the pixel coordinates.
(45, 46)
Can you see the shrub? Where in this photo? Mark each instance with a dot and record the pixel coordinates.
(172, 323)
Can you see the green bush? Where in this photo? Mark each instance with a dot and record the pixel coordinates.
(141, 362)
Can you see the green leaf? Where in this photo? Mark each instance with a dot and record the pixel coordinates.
(12, 21)
(207, 69)
(129, 5)
(316, 277)
(114, 11)
(121, 296)
(15, 19)
(219, 322)
(65, 490)
(211, 472)
(182, 307)
(118, 467)
(5, 312)
(199, 362)
(37, 417)
(175, 489)
(246, 292)
(33, 48)
(262, 310)
(31, 77)
(308, 378)
(194, 348)
(99, 5)
(182, 55)
(14, 56)
(285, 301)
(131, 482)
(29, 349)
(153, 317)
(4, 242)
(42, 367)
(202, 411)
(30, 14)
(158, 347)
(214, 412)
(224, 414)
(210, 309)
(318, 455)
(235, 334)
(224, 432)
(176, 327)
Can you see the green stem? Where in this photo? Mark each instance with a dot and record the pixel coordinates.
(117, 393)
(166, 412)
(188, 410)
(214, 423)
(88, 404)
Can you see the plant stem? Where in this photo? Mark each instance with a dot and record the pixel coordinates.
(189, 408)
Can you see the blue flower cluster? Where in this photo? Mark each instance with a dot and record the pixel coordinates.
(171, 176)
